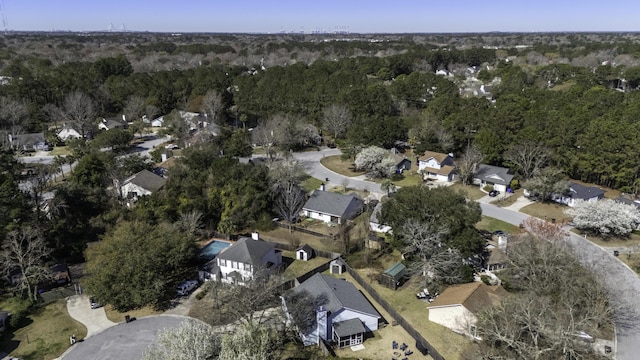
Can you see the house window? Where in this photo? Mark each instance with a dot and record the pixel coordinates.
(222, 262)
(234, 265)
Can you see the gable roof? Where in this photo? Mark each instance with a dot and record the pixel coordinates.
(339, 293)
(247, 251)
(147, 180)
(627, 201)
(445, 170)
(113, 122)
(494, 174)
(473, 296)
(333, 203)
(439, 157)
(396, 271)
(306, 248)
(579, 191)
(28, 140)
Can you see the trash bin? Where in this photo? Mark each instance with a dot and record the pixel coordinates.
(127, 319)
(616, 252)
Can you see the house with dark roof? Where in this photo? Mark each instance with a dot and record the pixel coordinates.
(496, 176)
(458, 306)
(142, 183)
(401, 161)
(332, 207)
(579, 192)
(437, 166)
(29, 142)
(244, 259)
(113, 123)
(344, 316)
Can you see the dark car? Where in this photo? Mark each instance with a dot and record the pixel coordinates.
(494, 193)
(331, 145)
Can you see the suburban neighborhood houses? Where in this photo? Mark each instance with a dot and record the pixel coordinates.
(362, 199)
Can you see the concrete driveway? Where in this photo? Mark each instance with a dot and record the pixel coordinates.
(95, 320)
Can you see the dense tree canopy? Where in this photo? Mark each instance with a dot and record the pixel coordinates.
(138, 264)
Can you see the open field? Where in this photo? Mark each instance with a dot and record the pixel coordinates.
(42, 335)
(336, 164)
(60, 150)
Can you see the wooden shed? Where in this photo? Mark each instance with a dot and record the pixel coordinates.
(394, 276)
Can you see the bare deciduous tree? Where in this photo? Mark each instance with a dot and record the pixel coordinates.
(429, 257)
(290, 198)
(79, 109)
(212, 105)
(248, 341)
(337, 119)
(23, 251)
(134, 108)
(13, 115)
(544, 229)
(191, 222)
(529, 157)
(468, 163)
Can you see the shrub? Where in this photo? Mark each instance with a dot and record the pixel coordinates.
(487, 188)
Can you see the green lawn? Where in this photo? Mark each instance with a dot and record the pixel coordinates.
(118, 317)
(547, 211)
(310, 183)
(298, 267)
(492, 224)
(409, 178)
(44, 334)
(471, 191)
(60, 150)
(336, 164)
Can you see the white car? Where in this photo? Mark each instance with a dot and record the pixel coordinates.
(186, 287)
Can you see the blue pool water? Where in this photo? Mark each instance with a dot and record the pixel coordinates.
(212, 249)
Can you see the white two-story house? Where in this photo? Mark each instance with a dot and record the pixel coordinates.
(244, 259)
(437, 166)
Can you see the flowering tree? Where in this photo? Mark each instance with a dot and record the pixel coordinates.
(377, 162)
(605, 217)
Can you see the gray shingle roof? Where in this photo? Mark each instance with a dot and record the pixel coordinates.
(493, 174)
(348, 327)
(339, 293)
(333, 203)
(247, 251)
(147, 180)
(579, 191)
(306, 248)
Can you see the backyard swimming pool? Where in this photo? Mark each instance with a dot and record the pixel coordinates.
(212, 249)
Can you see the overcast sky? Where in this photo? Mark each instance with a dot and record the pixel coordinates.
(357, 16)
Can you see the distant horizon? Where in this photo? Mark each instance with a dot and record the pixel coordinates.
(328, 16)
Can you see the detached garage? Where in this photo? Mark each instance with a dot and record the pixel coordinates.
(394, 276)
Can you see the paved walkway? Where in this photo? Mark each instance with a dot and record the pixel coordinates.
(521, 202)
(95, 320)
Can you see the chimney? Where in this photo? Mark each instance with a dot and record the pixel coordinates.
(124, 118)
(255, 235)
(321, 319)
(322, 187)
(164, 157)
(502, 242)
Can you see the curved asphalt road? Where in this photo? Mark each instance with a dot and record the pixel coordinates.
(622, 283)
(310, 160)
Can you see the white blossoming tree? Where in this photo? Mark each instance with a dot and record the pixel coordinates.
(377, 162)
(605, 217)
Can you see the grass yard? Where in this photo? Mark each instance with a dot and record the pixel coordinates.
(44, 334)
(336, 164)
(118, 317)
(298, 267)
(409, 178)
(471, 191)
(491, 224)
(507, 201)
(547, 211)
(310, 183)
(449, 344)
(60, 150)
(297, 238)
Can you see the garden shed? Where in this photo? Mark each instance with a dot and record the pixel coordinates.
(394, 276)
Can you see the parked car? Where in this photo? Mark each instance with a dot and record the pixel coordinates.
(494, 193)
(187, 287)
(331, 145)
(172, 147)
(94, 303)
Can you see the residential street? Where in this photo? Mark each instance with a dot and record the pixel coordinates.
(311, 161)
(621, 282)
